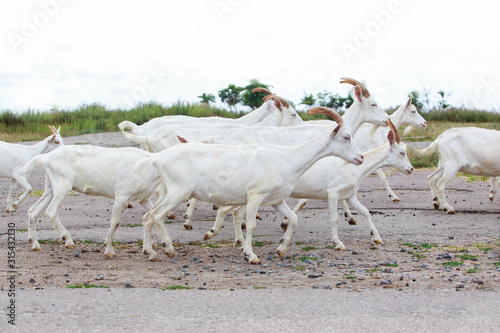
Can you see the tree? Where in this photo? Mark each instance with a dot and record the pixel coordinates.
(336, 101)
(253, 100)
(231, 96)
(308, 100)
(415, 100)
(443, 102)
(207, 98)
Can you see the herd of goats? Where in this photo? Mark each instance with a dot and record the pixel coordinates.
(264, 157)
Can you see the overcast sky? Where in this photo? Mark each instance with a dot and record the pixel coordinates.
(63, 53)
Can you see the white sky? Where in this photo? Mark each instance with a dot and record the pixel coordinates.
(65, 53)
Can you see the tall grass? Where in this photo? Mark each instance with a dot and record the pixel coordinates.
(93, 118)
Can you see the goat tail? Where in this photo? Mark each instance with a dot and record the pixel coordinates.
(127, 124)
(28, 167)
(134, 138)
(429, 150)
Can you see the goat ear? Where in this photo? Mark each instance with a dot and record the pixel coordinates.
(408, 103)
(336, 130)
(277, 103)
(358, 93)
(390, 137)
(181, 139)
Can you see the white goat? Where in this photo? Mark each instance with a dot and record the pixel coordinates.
(405, 115)
(240, 174)
(467, 149)
(268, 114)
(340, 181)
(364, 109)
(14, 156)
(108, 172)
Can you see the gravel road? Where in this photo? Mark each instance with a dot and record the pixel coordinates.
(433, 271)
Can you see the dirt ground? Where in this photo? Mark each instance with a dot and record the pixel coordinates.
(422, 248)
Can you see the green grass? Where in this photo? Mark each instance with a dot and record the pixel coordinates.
(211, 245)
(497, 263)
(419, 256)
(373, 270)
(483, 247)
(77, 286)
(467, 257)
(258, 243)
(96, 118)
(306, 258)
(177, 287)
(391, 265)
(132, 225)
(349, 277)
(255, 287)
(428, 246)
(50, 241)
(308, 248)
(93, 118)
(452, 263)
(473, 270)
(409, 244)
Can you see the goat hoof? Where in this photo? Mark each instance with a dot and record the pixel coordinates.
(70, 246)
(170, 255)
(258, 217)
(109, 255)
(188, 227)
(9, 210)
(154, 259)
(37, 249)
(207, 236)
(171, 216)
(451, 212)
(352, 222)
(154, 246)
(395, 200)
(491, 199)
(16, 206)
(255, 261)
(281, 253)
(377, 241)
(284, 226)
(436, 205)
(243, 226)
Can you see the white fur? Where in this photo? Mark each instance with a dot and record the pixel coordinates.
(235, 175)
(405, 115)
(362, 110)
(470, 150)
(271, 113)
(14, 156)
(109, 172)
(331, 179)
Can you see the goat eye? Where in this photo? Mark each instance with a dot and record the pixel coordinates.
(414, 112)
(294, 115)
(347, 137)
(402, 153)
(374, 105)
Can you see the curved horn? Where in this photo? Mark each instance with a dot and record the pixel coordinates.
(365, 91)
(282, 100)
(397, 137)
(53, 129)
(262, 90)
(324, 110)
